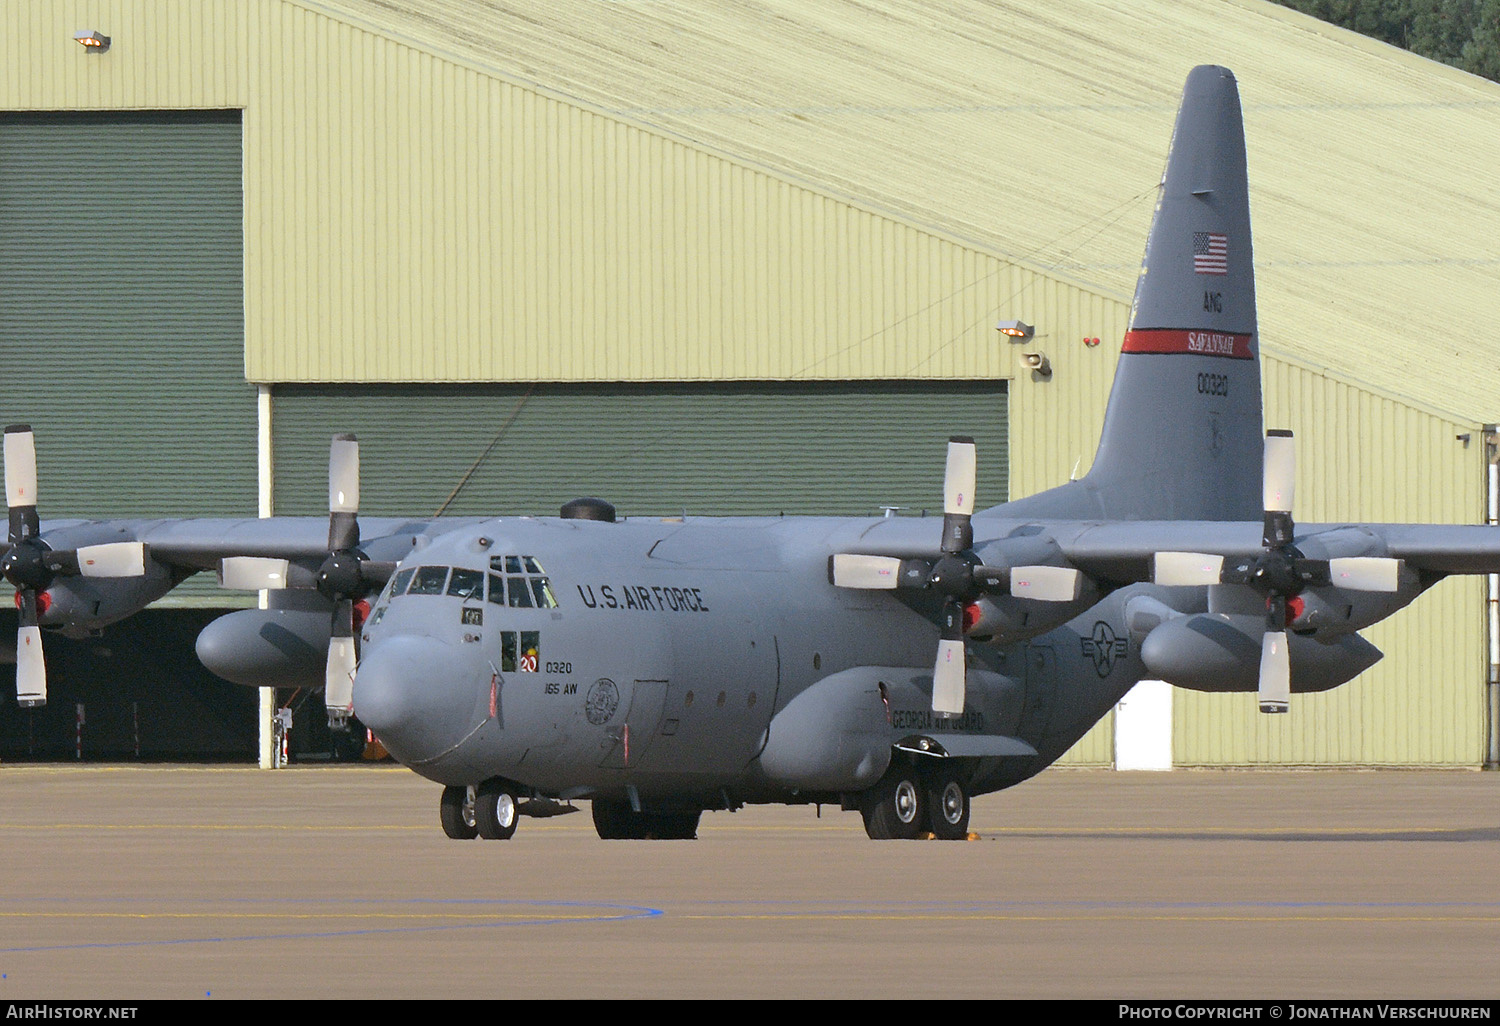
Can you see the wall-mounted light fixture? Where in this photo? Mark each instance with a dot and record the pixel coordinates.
(1018, 330)
(1038, 364)
(92, 40)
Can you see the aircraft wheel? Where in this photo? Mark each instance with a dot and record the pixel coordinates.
(622, 823)
(672, 826)
(457, 813)
(948, 805)
(896, 807)
(617, 822)
(496, 810)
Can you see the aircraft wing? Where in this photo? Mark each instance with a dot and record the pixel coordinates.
(1123, 551)
(201, 544)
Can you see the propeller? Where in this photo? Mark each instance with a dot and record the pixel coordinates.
(345, 575)
(957, 574)
(31, 565)
(1279, 572)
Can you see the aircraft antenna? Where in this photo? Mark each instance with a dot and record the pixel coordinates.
(514, 413)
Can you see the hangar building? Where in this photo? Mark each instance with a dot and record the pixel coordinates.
(741, 257)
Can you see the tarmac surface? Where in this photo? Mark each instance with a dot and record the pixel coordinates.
(336, 882)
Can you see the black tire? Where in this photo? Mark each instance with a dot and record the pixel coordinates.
(457, 813)
(948, 804)
(496, 810)
(896, 807)
(616, 822)
(619, 822)
(673, 826)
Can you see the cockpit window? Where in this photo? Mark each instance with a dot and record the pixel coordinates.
(543, 592)
(429, 580)
(468, 584)
(400, 581)
(524, 585)
(518, 594)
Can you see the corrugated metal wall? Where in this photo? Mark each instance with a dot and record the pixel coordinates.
(121, 312)
(721, 449)
(434, 224)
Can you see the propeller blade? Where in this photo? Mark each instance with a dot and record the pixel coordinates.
(20, 482)
(846, 570)
(343, 474)
(948, 679)
(948, 674)
(1280, 472)
(868, 572)
(112, 559)
(338, 677)
(343, 493)
(960, 475)
(254, 573)
(1046, 583)
(1275, 673)
(1365, 573)
(1186, 569)
(31, 668)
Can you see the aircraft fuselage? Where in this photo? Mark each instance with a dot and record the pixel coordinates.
(666, 655)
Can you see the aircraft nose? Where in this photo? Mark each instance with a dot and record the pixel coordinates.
(420, 695)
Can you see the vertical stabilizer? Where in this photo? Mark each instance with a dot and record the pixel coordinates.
(1182, 434)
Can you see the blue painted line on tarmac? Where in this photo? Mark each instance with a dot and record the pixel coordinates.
(611, 913)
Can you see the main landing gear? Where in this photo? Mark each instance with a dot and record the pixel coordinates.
(911, 801)
(617, 821)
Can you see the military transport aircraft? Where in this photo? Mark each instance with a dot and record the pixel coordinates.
(895, 665)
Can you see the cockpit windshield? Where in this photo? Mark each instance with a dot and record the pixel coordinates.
(467, 584)
(517, 582)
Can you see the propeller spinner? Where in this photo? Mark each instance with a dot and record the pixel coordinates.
(1280, 572)
(957, 574)
(345, 575)
(31, 565)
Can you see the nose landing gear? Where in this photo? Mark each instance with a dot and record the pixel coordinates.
(457, 813)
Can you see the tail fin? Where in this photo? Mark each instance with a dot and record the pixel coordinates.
(1182, 434)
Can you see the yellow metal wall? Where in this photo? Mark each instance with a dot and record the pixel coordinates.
(1364, 457)
(414, 220)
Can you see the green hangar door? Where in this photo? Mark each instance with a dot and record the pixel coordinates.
(725, 448)
(122, 320)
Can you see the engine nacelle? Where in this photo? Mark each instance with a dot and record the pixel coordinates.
(286, 648)
(77, 606)
(1005, 619)
(837, 735)
(1221, 652)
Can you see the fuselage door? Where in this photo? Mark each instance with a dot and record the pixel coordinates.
(643, 722)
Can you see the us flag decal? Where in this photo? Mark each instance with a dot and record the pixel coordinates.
(1210, 253)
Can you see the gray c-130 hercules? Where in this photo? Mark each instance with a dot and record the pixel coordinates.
(660, 668)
